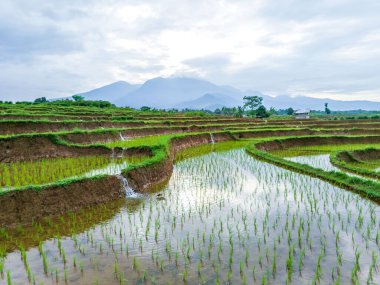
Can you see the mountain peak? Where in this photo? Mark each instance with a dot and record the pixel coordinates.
(110, 92)
(187, 92)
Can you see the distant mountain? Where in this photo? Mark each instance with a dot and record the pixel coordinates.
(210, 101)
(169, 92)
(182, 92)
(110, 92)
(302, 102)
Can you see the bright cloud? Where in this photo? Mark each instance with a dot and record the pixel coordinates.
(327, 48)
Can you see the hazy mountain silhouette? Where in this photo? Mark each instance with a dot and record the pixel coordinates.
(302, 102)
(168, 92)
(210, 101)
(183, 92)
(110, 92)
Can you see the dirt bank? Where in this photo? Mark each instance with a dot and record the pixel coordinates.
(20, 127)
(23, 127)
(16, 127)
(142, 179)
(304, 132)
(359, 155)
(62, 225)
(281, 144)
(20, 207)
(109, 136)
(42, 147)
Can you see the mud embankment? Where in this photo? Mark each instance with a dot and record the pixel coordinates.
(354, 161)
(43, 147)
(359, 155)
(20, 207)
(24, 206)
(282, 144)
(16, 127)
(305, 132)
(23, 127)
(21, 148)
(142, 179)
(62, 225)
(57, 118)
(110, 136)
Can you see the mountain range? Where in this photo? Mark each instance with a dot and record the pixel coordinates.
(183, 92)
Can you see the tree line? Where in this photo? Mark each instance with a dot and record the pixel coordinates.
(252, 107)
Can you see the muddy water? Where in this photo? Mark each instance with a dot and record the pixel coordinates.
(223, 217)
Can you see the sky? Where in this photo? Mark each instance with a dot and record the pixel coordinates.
(324, 48)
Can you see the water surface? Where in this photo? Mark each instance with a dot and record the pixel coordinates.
(222, 218)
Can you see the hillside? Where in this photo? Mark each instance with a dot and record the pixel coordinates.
(111, 92)
(182, 92)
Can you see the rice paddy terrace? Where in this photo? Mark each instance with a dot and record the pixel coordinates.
(117, 196)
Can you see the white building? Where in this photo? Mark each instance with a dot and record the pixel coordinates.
(302, 114)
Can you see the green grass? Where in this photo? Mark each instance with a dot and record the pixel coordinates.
(207, 148)
(367, 188)
(370, 165)
(367, 168)
(319, 149)
(331, 148)
(46, 171)
(159, 144)
(145, 141)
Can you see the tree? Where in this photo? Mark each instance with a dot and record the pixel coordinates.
(290, 111)
(252, 102)
(40, 100)
(327, 110)
(272, 111)
(261, 112)
(145, 109)
(239, 112)
(78, 98)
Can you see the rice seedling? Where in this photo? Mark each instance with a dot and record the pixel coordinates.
(39, 172)
(259, 219)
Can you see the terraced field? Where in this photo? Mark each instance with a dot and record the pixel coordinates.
(117, 196)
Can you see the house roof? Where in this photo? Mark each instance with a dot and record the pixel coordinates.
(302, 111)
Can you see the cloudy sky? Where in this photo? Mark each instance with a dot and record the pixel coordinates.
(324, 48)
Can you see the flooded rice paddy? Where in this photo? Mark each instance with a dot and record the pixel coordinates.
(40, 172)
(321, 161)
(318, 156)
(222, 218)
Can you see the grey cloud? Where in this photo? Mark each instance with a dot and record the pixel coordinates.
(212, 62)
(55, 48)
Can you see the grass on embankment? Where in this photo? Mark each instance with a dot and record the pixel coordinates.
(319, 149)
(159, 146)
(208, 148)
(365, 168)
(39, 172)
(363, 187)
